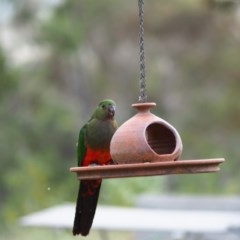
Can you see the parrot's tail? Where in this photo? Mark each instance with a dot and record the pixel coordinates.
(86, 206)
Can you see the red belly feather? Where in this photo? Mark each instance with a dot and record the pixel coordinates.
(93, 156)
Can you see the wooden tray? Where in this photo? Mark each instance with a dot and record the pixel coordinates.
(148, 169)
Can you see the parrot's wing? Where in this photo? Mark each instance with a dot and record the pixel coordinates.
(81, 148)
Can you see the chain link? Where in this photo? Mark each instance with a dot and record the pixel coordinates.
(142, 81)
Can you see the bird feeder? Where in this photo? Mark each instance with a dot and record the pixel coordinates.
(145, 138)
(146, 145)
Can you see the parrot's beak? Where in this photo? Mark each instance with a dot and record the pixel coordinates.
(111, 110)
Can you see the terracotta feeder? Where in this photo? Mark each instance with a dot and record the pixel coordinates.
(145, 138)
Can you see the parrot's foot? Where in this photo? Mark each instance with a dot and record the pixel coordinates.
(111, 162)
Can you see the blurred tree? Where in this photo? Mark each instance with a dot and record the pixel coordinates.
(193, 69)
(7, 75)
(8, 84)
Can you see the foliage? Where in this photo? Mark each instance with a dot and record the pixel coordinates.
(7, 76)
(35, 128)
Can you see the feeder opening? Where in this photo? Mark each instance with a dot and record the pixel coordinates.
(160, 138)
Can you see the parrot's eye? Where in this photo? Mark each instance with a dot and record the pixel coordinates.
(103, 106)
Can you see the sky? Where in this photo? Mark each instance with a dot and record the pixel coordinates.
(7, 9)
(18, 48)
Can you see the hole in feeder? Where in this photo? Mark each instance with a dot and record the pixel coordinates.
(160, 138)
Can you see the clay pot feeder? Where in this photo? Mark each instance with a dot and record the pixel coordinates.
(145, 138)
(146, 145)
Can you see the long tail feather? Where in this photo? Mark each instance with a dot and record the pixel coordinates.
(86, 206)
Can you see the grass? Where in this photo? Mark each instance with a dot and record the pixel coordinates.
(26, 233)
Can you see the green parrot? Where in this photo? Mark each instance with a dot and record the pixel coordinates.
(93, 149)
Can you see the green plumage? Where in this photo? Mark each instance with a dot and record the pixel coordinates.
(81, 149)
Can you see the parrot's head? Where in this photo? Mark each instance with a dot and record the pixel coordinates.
(106, 109)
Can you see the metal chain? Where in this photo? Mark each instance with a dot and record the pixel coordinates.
(142, 81)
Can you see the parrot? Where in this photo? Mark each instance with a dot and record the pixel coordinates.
(93, 148)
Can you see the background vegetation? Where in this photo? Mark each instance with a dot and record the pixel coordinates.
(63, 57)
